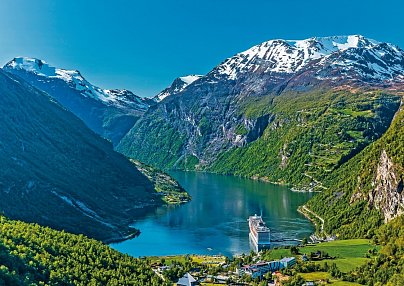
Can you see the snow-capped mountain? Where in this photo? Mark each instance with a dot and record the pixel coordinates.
(108, 112)
(178, 85)
(75, 80)
(277, 63)
(231, 106)
(288, 56)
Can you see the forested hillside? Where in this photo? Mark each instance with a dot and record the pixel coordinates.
(34, 255)
(368, 189)
(309, 136)
(59, 173)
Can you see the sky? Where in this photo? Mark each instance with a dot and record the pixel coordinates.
(144, 45)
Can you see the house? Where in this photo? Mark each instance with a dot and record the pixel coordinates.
(163, 268)
(222, 279)
(187, 280)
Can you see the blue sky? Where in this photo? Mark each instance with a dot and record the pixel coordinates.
(144, 45)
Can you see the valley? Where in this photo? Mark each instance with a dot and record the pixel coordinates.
(58, 173)
(313, 125)
(214, 222)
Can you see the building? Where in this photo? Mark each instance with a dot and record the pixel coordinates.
(253, 270)
(261, 268)
(187, 280)
(287, 262)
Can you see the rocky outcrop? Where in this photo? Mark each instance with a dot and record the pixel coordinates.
(387, 193)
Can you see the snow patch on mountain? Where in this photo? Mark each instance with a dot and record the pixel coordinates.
(190, 78)
(178, 85)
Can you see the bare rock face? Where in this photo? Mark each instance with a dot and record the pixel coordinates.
(387, 194)
(284, 156)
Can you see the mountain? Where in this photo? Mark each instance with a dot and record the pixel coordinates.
(178, 85)
(58, 173)
(283, 111)
(277, 65)
(110, 113)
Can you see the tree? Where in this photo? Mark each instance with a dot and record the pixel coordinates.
(294, 250)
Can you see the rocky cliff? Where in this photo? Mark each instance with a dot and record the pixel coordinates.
(387, 193)
(368, 189)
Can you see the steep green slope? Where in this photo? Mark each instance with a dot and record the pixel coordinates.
(156, 142)
(170, 190)
(57, 172)
(367, 189)
(35, 255)
(311, 134)
(295, 138)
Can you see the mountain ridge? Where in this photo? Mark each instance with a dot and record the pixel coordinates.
(222, 94)
(59, 173)
(109, 113)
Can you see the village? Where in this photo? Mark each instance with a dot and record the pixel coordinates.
(217, 270)
(325, 263)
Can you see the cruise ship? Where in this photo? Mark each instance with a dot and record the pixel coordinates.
(260, 234)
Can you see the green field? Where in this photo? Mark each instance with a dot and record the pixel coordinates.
(342, 248)
(322, 276)
(200, 259)
(348, 254)
(343, 283)
(315, 276)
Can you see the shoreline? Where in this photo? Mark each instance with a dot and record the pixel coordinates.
(129, 236)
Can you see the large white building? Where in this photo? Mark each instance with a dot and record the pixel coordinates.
(261, 268)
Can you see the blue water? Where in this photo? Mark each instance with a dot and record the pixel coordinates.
(215, 221)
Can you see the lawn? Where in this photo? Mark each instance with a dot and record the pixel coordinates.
(209, 260)
(349, 253)
(200, 259)
(346, 264)
(275, 254)
(322, 276)
(343, 283)
(351, 248)
(315, 276)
